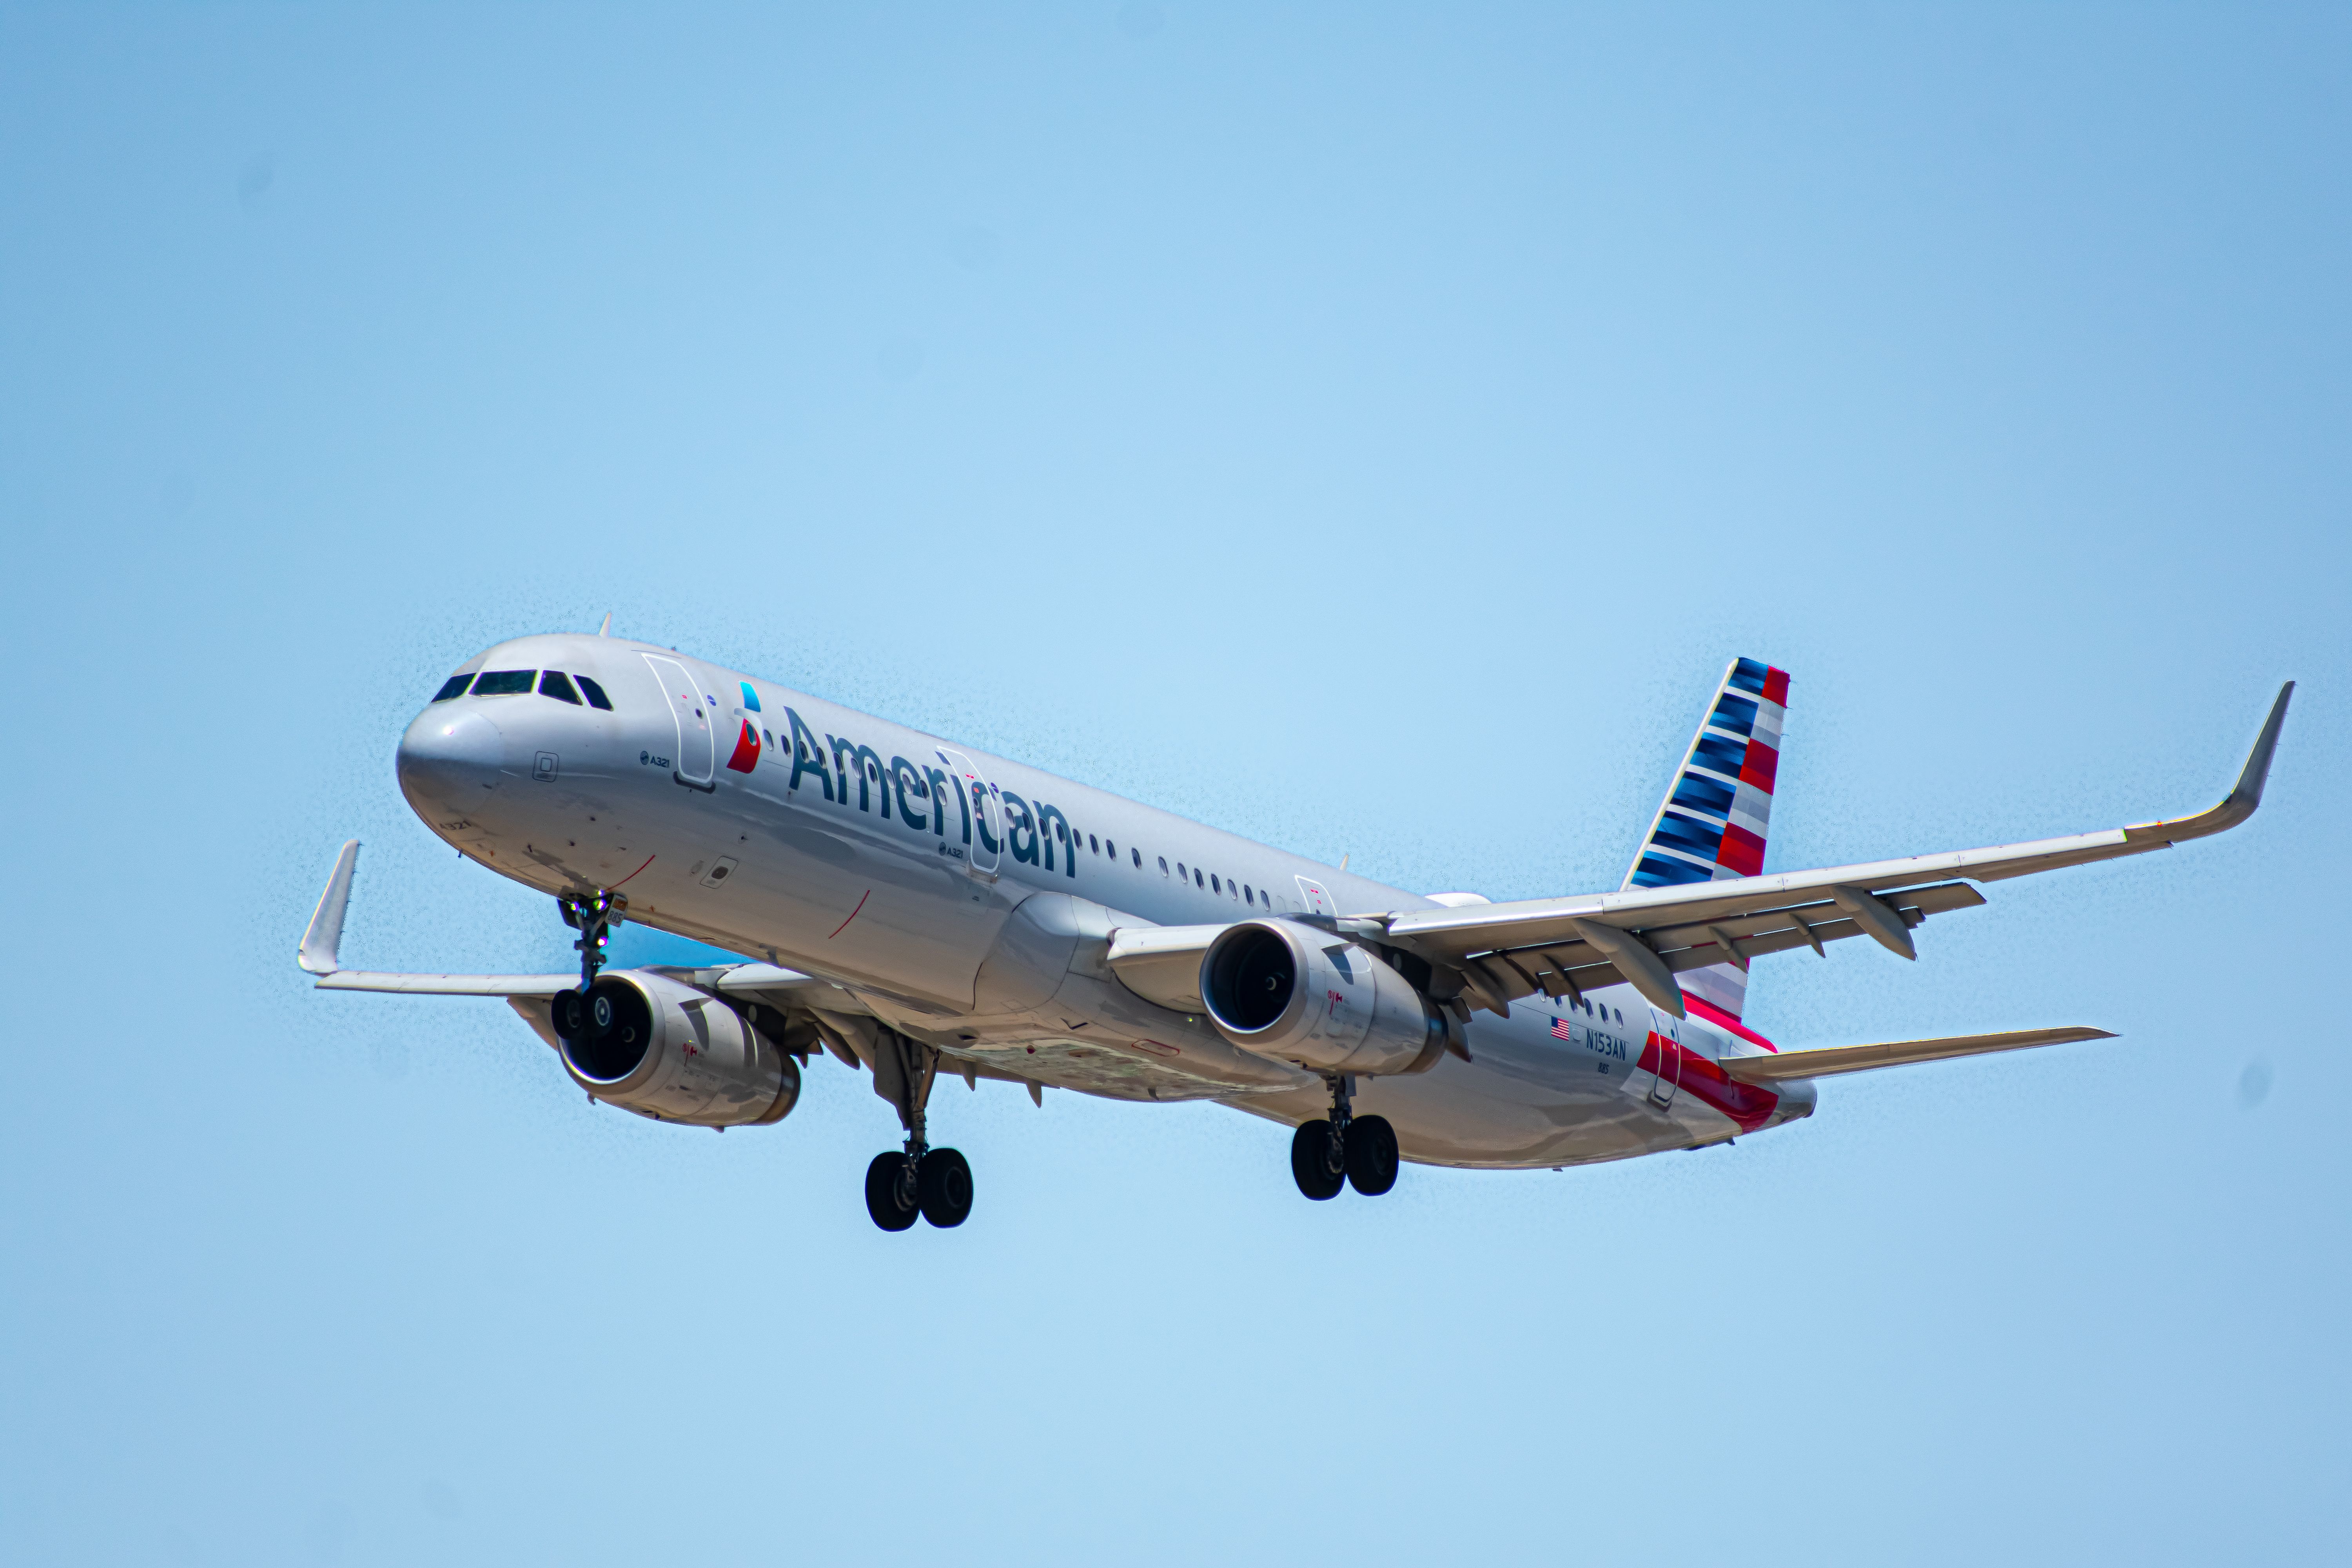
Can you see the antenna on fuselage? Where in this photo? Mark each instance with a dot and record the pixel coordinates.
(606, 630)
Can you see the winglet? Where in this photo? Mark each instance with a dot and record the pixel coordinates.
(2241, 800)
(321, 942)
(606, 630)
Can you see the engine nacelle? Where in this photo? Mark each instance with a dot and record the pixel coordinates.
(1330, 1005)
(646, 1043)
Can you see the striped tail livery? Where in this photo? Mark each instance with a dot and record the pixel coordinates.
(1712, 825)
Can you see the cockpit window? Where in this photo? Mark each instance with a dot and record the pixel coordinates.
(596, 697)
(556, 684)
(453, 687)
(503, 682)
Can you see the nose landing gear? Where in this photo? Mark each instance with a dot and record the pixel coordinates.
(594, 919)
(1346, 1150)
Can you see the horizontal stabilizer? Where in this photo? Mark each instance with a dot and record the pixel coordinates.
(1894, 1053)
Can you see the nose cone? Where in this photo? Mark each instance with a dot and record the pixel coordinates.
(449, 759)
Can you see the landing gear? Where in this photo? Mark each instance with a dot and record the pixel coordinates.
(891, 1191)
(594, 919)
(1372, 1155)
(1347, 1150)
(920, 1181)
(1318, 1162)
(943, 1183)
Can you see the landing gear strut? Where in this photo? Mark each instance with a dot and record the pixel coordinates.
(574, 1011)
(594, 919)
(1347, 1150)
(918, 1181)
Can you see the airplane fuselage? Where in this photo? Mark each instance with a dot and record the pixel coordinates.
(965, 899)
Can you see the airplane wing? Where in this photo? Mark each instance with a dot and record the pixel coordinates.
(1645, 936)
(319, 954)
(1787, 1065)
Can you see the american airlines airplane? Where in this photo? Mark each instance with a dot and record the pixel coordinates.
(916, 908)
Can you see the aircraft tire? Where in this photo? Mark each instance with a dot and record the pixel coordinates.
(1318, 1175)
(943, 1180)
(887, 1198)
(1372, 1155)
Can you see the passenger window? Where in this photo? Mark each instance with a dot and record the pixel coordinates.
(1094, 844)
(1181, 872)
(1163, 863)
(1213, 886)
(596, 697)
(1248, 897)
(1138, 858)
(453, 687)
(554, 684)
(1196, 875)
(504, 682)
(767, 737)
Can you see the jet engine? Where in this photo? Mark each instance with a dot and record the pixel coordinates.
(646, 1043)
(1330, 1005)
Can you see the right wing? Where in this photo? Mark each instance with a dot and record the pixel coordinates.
(320, 950)
(1645, 936)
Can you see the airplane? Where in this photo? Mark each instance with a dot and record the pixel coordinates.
(913, 907)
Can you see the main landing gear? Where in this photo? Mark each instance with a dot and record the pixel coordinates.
(1346, 1150)
(918, 1181)
(928, 1184)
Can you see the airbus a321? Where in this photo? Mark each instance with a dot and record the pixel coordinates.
(917, 909)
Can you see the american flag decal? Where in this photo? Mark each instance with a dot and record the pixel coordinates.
(1559, 1028)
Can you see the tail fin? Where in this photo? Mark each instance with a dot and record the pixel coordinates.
(1713, 822)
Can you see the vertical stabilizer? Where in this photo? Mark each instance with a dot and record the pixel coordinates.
(1713, 823)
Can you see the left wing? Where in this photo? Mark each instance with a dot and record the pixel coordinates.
(1645, 936)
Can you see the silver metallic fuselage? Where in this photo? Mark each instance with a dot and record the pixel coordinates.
(928, 913)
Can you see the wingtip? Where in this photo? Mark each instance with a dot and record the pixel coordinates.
(2244, 796)
(2257, 771)
(323, 939)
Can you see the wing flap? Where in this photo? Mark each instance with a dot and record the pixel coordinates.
(1837, 1059)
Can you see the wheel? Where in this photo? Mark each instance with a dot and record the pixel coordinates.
(1372, 1155)
(1314, 1162)
(943, 1183)
(890, 1192)
(568, 1011)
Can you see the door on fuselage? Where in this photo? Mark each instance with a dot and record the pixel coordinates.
(987, 846)
(1668, 1076)
(697, 748)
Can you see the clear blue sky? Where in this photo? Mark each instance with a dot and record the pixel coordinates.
(1369, 429)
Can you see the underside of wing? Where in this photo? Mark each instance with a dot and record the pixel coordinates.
(1790, 1065)
(1645, 936)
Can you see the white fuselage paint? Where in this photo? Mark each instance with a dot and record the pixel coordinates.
(901, 900)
